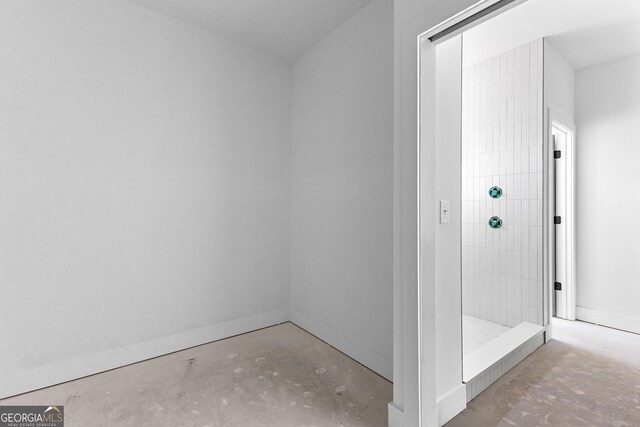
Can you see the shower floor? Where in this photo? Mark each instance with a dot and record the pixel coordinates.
(477, 332)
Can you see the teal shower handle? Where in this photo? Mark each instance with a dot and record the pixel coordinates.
(495, 222)
(495, 192)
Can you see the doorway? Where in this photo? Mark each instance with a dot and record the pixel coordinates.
(433, 321)
(562, 196)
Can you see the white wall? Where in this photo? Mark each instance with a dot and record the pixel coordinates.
(448, 236)
(341, 223)
(144, 187)
(559, 82)
(607, 231)
(502, 126)
(414, 402)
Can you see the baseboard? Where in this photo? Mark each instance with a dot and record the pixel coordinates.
(452, 404)
(369, 358)
(605, 318)
(35, 378)
(396, 416)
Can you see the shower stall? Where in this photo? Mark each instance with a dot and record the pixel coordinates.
(502, 182)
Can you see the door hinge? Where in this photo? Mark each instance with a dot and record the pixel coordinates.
(557, 286)
(557, 220)
(557, 154)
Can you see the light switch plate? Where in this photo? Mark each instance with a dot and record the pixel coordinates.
(445, 212)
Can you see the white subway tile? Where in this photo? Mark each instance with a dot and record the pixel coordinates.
(540, 84)
(510, 314)
(525, 57)
(503, 64)
(517, 266)
(517, 234)
(524, 86)
(503, 112)
(495, 256)
(533, 295)
(511, 66)
(525, 261)
(525, 160)
(510, 85)
(534, 132)
(533, 185)
(503, 157)
(533, 212)
(539, 178)
(517, 315)
(525, 295)
(518, 58)
(533, 48)
(495, 160)
(539, 235)
(510, 142)
(503, 257)
(516, 191)
(533, 266)
(510, 260)
(533, 106)
(517, 83)
(525, 186)
(533, 165)
(495, 236)
(509, 161)
(510, 110)
(503, 287)
(526, 105)
(533, 239)
(496, 67)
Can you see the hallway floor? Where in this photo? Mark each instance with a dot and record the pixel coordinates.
(586, 376)
(278, 376)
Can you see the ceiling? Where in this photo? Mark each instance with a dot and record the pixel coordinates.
(584, 32)
(285, 28)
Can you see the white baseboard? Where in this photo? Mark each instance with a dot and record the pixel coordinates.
(47, 375)
(369, 358)
(452, 404)
(396, 416)
(605, 318)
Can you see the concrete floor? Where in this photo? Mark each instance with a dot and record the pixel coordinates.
(278, 376)
(586, 376)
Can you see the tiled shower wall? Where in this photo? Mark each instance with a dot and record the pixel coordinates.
(502, 137)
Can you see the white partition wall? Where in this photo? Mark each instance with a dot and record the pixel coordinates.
(341, 198)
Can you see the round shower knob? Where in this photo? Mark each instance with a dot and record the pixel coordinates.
(495, 222)
(495, 192)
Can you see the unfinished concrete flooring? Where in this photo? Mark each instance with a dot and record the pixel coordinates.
(278, 376)
(586, 376)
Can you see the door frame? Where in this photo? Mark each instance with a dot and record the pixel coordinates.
(564, 124)
(415, 398)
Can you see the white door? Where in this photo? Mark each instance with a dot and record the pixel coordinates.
(564, 287)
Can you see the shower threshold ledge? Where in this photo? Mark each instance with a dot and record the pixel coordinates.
(481, 359)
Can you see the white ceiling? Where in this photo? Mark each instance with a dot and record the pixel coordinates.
(584, 32)
(285, 28)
